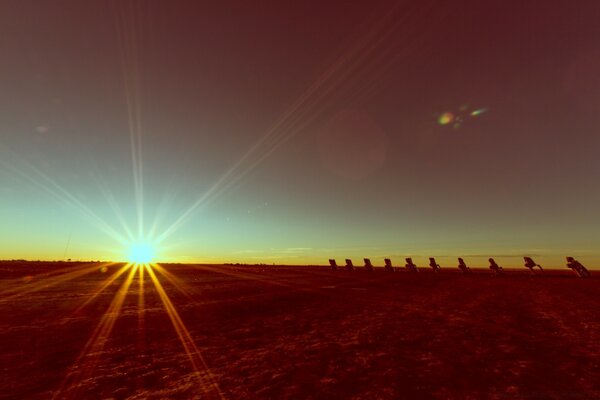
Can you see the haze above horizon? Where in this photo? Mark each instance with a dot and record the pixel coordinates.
(293, 132)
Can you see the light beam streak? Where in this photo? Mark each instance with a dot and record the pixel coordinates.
(110, 199)
(179, 284)
(129, 34)
(303, 112)
(102, 287)
(88, 359)
(63, 196)
(141, 325)
(141, 302)
(190, 348)
(48, 281)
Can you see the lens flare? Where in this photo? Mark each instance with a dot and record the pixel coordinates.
(446, 118)
(480, 111)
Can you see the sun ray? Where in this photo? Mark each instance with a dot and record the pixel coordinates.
(178, 283)
(308, 107)
(48, 281)
(52, 273)
(141, 321)
(110, 199)
(187, 291)
(129, 35)
(87, 360)
(102, 287)
(195, 356)
(141, 301)
(160, 214)
(63, 196)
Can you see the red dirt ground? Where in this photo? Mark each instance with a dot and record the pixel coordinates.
(303, 333)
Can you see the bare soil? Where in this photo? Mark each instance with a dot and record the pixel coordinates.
(271, 332)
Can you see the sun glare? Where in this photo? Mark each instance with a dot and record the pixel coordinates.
(140, 253)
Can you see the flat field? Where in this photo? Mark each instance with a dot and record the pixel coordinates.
(280, 332)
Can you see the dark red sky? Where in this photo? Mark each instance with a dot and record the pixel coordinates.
(346, 96)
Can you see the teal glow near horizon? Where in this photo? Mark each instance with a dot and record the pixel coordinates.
(219, 139)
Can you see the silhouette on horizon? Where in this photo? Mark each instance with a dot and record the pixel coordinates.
(410, 266)
(333, 264)
(496, 269)
(434, 265)
(349, 266)
(463, 266)
(529, 263)
(388, 265)
(578, 268)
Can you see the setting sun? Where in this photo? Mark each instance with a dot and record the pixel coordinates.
(140, 253)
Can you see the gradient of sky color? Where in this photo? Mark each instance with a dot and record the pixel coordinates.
(313, 126)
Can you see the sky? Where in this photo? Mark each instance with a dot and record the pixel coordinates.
(294, 132)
